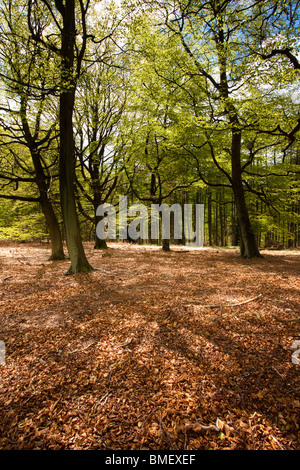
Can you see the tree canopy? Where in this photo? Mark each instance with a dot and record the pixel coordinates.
(161, 101)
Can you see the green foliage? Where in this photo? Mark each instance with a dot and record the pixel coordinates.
(21, 221)
(153, 111)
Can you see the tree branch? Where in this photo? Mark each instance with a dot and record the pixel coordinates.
(20, 198)
(285, 52)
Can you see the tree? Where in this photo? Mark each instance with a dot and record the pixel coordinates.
(156, 171)
(23, 123)
(101, 101)
(214, 66)
(69, 20)
(275, 47)
(214, 57)
(278, 45)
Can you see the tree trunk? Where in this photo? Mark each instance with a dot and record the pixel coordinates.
(97, 201)
(248, 245)
(216, 222)
(209, 217)
(79, 262)
(40, 177)
(166, 245)
(57, 251)
(99, 243)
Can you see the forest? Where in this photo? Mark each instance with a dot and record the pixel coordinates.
(170, 323)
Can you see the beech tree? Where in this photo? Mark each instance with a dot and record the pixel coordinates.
(215, 60)
(101, 102)
(67, 40)
(26, 121)
(207, 33)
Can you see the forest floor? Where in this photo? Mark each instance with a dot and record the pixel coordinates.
(133, 355)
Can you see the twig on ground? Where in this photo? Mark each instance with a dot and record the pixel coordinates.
(144, 422)
(278, 443)
(224, 305)
(123, 345)
(286, 320)
(162, 426)
(274, 368)
(232, 305)
(82, 349)
(200, 427)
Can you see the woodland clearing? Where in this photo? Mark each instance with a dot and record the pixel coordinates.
(151, 351)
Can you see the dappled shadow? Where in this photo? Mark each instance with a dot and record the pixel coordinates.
(112, 358)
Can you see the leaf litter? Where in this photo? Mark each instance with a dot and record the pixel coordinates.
(152, 350)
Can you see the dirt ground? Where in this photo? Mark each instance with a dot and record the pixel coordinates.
(150, 351)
